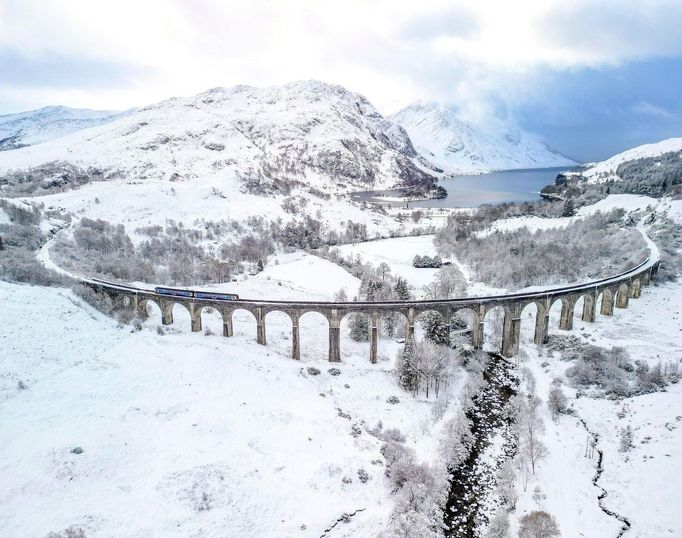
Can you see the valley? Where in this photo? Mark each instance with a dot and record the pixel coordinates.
(116, 423)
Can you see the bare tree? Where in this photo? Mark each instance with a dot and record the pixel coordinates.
(626, 439)
(430, 361)
(449, 282)
(556, 401)
(538, 524)
(506, 490)
(498, 526)
(530, 427)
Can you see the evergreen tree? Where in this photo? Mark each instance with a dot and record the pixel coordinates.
(569, 208)
(401, 290)
(389, 324)
(2, 246)
(407, 367)
(435, 329)
(359, 327)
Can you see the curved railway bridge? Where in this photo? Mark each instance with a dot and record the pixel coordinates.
(608, 292)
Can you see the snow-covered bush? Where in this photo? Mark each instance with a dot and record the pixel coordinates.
(538, 524)
(557, 402)
(419, 507)
(498, 526)
(48, 178)
(667, 234)
(519, 258)
(392, 435)
(427, 261)
(70, 532)
(506, 490)
(613, 373)
(626, 439)
(457, 440)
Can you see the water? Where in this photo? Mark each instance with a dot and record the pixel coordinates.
(492, 188)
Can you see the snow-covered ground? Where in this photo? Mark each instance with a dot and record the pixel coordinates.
(186, 434)
(644, 485)
(155, 202)
(606, 170)
(398, 254)
(629, 202)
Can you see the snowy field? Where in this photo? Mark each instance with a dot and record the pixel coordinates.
(398, 254)
(186, 434)
(192, 434)
(644, 485)
(628, 202)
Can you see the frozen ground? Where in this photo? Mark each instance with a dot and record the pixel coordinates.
(399, 253)
(629, 202)
(197, 435)
(187, 434)
(644, 485)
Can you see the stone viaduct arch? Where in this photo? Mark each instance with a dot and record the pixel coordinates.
(614, 291)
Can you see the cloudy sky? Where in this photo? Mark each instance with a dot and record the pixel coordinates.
(590, 77)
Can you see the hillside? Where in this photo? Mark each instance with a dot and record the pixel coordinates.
(37, 126)
(608, 169)
(650, 169)
(458, 147)
(268, 139)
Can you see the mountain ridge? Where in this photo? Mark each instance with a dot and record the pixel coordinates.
(459, 147)
(307, 131)
(36, 126)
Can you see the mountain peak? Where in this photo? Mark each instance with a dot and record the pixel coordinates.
(459, 147)
(53, 121)
(304, 132)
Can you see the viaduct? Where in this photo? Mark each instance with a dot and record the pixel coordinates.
(609, 292)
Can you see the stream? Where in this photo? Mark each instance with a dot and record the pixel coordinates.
(600, 498)
(474, 479)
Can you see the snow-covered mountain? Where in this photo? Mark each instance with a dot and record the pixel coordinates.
(309, 132)
(607, 170)
(458, 147)
(651, 169)
(36, 126)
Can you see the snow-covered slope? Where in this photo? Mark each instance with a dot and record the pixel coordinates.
(36, 126)
(606, 170)
(185, 434)
(310, 132)
(458, 147)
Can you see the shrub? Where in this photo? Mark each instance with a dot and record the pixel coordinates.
(519, 258)
(427, 261)
(538, 524)
(71, 532)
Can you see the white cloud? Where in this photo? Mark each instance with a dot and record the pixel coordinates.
(648, 109)
(392, 51)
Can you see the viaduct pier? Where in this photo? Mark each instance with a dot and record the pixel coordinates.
(603, 295)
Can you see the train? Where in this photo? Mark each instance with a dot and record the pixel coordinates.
(176, 292)
(210, 295)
